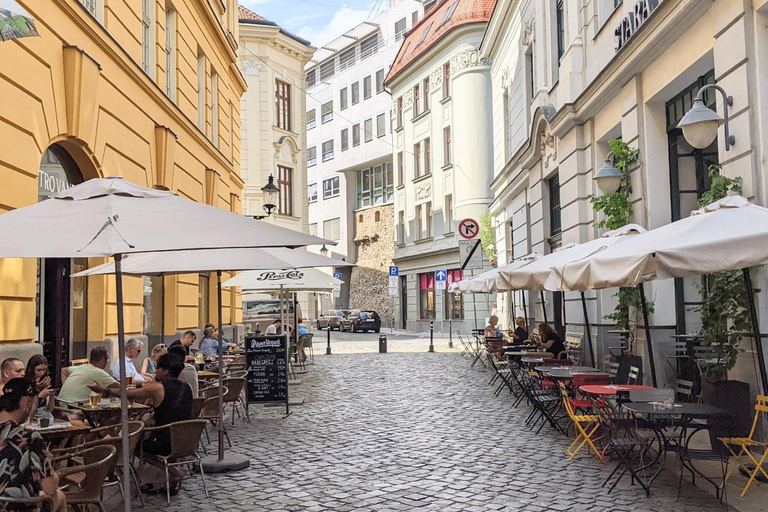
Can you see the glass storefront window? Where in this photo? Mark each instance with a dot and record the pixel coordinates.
(454, 302)
(427, 295)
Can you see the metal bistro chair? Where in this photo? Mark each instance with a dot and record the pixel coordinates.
(684, 390)
(233, 397)
(308, 344)
(744, 444)
(634, 373)
(97, 462)
(210, 413)
(185, 437)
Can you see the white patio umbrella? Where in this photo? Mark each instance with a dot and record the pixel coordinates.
(217, 260)
(490, 281)
(112, 217)
(306, 279)
(15, 21)
(730, 234)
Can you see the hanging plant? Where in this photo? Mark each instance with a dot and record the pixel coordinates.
(617, 212)
(724, 314)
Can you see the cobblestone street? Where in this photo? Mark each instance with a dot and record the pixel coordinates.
(405, 431)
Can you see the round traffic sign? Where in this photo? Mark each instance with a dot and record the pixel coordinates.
(469, 229)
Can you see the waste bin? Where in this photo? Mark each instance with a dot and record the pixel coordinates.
(382, 344)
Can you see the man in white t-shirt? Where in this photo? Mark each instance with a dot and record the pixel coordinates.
(274, 328)
(77, 378)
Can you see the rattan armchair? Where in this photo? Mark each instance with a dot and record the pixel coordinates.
(233, 397)
(97, 462)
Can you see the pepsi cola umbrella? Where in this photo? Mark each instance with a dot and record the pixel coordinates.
(15, 21)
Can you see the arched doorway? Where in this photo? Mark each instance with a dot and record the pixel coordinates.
(61, 302)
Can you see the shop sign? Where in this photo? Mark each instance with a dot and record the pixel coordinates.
(634, 20)
(49, 183)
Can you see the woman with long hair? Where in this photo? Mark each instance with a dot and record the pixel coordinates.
(549, 340)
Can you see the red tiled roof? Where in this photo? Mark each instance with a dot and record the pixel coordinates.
(416, 44)
(247, 14)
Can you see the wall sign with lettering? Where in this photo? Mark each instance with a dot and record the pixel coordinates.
(267, 365)
(642, 10)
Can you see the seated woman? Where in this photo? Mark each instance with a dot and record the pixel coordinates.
(521, 332)
(149, 366)
(549, 340)
(492, 330)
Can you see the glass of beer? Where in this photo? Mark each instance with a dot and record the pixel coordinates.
(95, 399)
(128, 380)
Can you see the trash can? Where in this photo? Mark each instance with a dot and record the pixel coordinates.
(382, 344)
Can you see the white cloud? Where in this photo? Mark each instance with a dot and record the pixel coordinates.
(343, 20)
(251, 3)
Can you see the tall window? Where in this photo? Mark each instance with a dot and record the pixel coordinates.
(147, 36)
(425, 88)
(311, 119)
(343, 98)
(283, 105)
(416, 160)
(560, 19)
(374, 186)
(366, 87)
(447, 145)
(427, 295)
(327, 69)
(311, 156)
(454, 302)
(369, 46)
(311, 77)
(356, 134)
(326, 112)
(231, 131)
(356, 93)
(446, 80)
(427, 156)
(401, 227)
(554, 205)
(416, 101)
(332, 229)
(345, 139)
(381, 125)
(312, 193)
(327, 150)
(368, 130)
(201, 92)
(400, 169)
(92, 6)
(400, 112)
(285, 184)
(531, 72)
(414, 18)
(448, 213)
(347, 59)
(331, 187)
(170, 54)
(215, 108)
(379, 81)
(400, 29)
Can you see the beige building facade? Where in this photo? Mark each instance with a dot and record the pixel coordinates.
(570, 76)
(149, 91)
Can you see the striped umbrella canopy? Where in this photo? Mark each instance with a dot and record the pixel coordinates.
(15, 21)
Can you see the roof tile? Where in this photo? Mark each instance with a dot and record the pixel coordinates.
(247, 14)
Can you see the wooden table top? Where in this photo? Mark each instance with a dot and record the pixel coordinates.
(205, 374)
(60, 429)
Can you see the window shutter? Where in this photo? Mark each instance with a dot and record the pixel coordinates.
(380, 125)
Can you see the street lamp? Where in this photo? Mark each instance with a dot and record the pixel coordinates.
(324, 251)
(700, 124)
(271, 195)
(608, 177)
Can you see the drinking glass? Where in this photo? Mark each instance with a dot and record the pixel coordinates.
(95, 399)
(128, 380)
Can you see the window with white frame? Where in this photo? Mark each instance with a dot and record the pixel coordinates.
(95, 7)
(375, 185)
(448, 214)
(560, 27)
(427, 156)
(347, 59)
(356, 134)
(148, 36)
(416, 101)
(327, 69)
(345, 139)
(215, 108)
(417, 160)
(311, 156)
(343, 98)
(311, 77)
(381, 125)
(400, 28)
(369, 46)
(356, 93)
(447, 145)
(283, 105)
(313, 229)
(201, 91)
(332, 229)
(327, 150)
(311, 119)
(326, 112)
(401, 227)
(368, 130)
(285, 184)
(380, 81)
(331, 187)
(446, 80)
(170, 54)
(366, 87)
(400, 169)
(312, 193)
(425, 88)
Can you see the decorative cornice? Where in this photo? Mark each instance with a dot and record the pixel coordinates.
(81, 82)
(469, 58)
(165, 149)
(252, 67)
(436, 79)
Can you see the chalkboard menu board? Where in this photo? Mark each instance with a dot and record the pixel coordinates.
(267, 369)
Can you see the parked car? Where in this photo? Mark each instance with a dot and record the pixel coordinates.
(332, 317)
(260, 313)
(361, 320)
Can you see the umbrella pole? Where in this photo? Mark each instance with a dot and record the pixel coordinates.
(648, 342)
(220, 462)
(587, 329)
(123, 389)
(544, 307)
(755, 328)
(525, 312)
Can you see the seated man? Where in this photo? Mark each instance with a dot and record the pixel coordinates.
(76, 379)
(189, 373)
(171, 401)
(186, 341)
(210, 342)
(10, 368)
(132, 351)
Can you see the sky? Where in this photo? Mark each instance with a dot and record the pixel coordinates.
(318, 21)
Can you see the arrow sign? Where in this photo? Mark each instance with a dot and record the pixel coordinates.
(441, 278)
(469, 229)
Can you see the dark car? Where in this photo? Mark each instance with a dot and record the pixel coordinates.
(361, 320)
(332, 317)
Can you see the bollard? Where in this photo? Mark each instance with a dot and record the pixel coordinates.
(450, 333)
(431, 335)
(382, 344)
(328, 348)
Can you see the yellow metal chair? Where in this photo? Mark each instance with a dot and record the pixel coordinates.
(585, 424)
(745, 443)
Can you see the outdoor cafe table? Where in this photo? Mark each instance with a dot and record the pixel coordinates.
(570, 368)
(565, 373)
(60, 432)
(611, 389)
(107, 414)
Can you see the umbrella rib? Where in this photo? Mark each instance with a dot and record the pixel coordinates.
(110, 221)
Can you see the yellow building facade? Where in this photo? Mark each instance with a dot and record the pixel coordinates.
(148, 90)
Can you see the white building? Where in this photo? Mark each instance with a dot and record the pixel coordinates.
(443, 158)
(349, 140)
(565, 81)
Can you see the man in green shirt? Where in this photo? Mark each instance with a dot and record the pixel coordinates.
(77, 378)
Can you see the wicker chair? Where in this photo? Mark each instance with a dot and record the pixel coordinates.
(43, 502)
(185, 437)
(210, 413)
(234, 397)
(97, 463)
(308, 344)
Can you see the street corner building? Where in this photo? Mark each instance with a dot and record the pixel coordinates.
(148, 90)
(443, 154)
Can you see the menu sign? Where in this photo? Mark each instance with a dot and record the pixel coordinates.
(267, 365)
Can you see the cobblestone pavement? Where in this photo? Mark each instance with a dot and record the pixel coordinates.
(407, 431)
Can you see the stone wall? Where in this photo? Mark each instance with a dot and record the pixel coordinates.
(375, 245)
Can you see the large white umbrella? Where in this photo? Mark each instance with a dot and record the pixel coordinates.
(300, 280)
(15, 21)
(112, 217)
(491, 281)
(730, 234)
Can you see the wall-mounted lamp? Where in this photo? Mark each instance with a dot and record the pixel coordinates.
(271, 195)
(324, 251)
(700, 124)
(608, 177)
